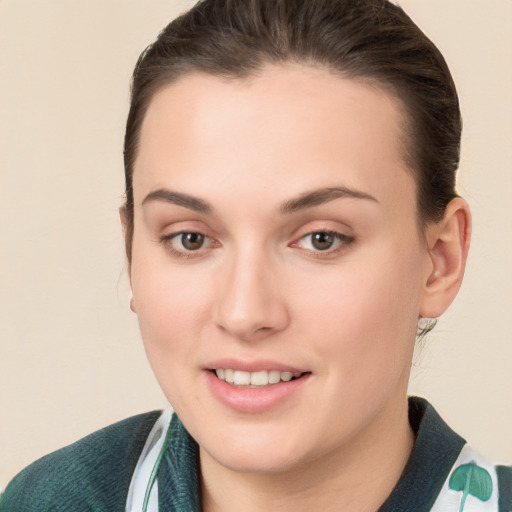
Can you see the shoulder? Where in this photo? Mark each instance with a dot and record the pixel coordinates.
(92, 474)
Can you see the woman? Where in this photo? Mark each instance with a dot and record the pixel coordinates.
(290, 217)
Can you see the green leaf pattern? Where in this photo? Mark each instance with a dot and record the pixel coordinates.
(472, 480)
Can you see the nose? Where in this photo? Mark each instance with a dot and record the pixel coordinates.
(250, 302)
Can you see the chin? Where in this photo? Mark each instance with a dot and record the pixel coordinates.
(257, 448)
(255, 460)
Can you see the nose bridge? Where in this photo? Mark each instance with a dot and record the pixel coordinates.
(249, 303)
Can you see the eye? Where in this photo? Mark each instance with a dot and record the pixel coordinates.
(191, 241)
(323, 241)
(185, 243)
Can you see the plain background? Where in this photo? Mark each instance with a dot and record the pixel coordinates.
(71, 359)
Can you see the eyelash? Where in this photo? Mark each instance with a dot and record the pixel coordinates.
(344, 241)
(167, 241)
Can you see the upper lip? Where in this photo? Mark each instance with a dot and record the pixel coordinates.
(252, 366)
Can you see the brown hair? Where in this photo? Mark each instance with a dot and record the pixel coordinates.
(371, 40)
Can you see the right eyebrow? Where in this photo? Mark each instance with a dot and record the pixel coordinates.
(180, 199)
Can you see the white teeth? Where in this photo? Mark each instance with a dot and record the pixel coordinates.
(274, 376)
(241, 378)
(259, 378)
(254, 379)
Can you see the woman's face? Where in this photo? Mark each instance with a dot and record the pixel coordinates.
(275, 236)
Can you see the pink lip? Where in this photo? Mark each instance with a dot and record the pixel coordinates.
(253, 400)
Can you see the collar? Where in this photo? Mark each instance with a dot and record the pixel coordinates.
(435, 452)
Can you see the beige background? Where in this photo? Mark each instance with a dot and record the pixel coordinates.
(71, 359)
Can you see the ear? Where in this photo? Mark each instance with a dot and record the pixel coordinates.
(124, 226)
(123, 216)
(448, 245)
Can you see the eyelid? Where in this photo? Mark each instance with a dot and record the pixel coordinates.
(167, 241)
(180, 226)
(344, 242)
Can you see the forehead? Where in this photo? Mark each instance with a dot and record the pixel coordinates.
(290, 125)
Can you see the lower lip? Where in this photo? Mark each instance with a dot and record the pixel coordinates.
(253, 400)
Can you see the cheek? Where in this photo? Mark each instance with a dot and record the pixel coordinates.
(367, 308)
(169, 313)
(172, 308)
(170, 326)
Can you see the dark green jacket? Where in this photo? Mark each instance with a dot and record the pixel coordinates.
(94, 473)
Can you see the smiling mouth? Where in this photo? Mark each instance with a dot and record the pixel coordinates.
(263, 378)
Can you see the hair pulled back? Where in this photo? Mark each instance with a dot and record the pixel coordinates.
(370, 40)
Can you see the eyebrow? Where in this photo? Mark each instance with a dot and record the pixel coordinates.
(180, 199)
(322, 196)
(302, 202)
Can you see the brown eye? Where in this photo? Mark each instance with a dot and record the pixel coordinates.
(322, 241)
(329, 242)
(192, 241)
(188, 244)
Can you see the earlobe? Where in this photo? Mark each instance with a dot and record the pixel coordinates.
(448, 245)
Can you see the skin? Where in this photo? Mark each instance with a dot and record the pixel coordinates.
(258, 289)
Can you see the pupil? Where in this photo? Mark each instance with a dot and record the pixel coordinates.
(322, 241)
(192, 241)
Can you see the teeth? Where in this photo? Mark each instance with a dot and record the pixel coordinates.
(241, 378)
(259, 378)
(274, 376)
(253, 379)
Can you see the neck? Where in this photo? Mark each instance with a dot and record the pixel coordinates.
(358, 476)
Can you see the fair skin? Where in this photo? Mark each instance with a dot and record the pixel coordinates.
(275, 229)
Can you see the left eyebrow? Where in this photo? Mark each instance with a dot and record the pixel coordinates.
(321, 196)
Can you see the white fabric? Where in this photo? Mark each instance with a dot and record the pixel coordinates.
(141, 479)
(450, 500)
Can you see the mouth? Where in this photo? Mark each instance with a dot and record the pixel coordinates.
(254, 387)
(259, 379)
